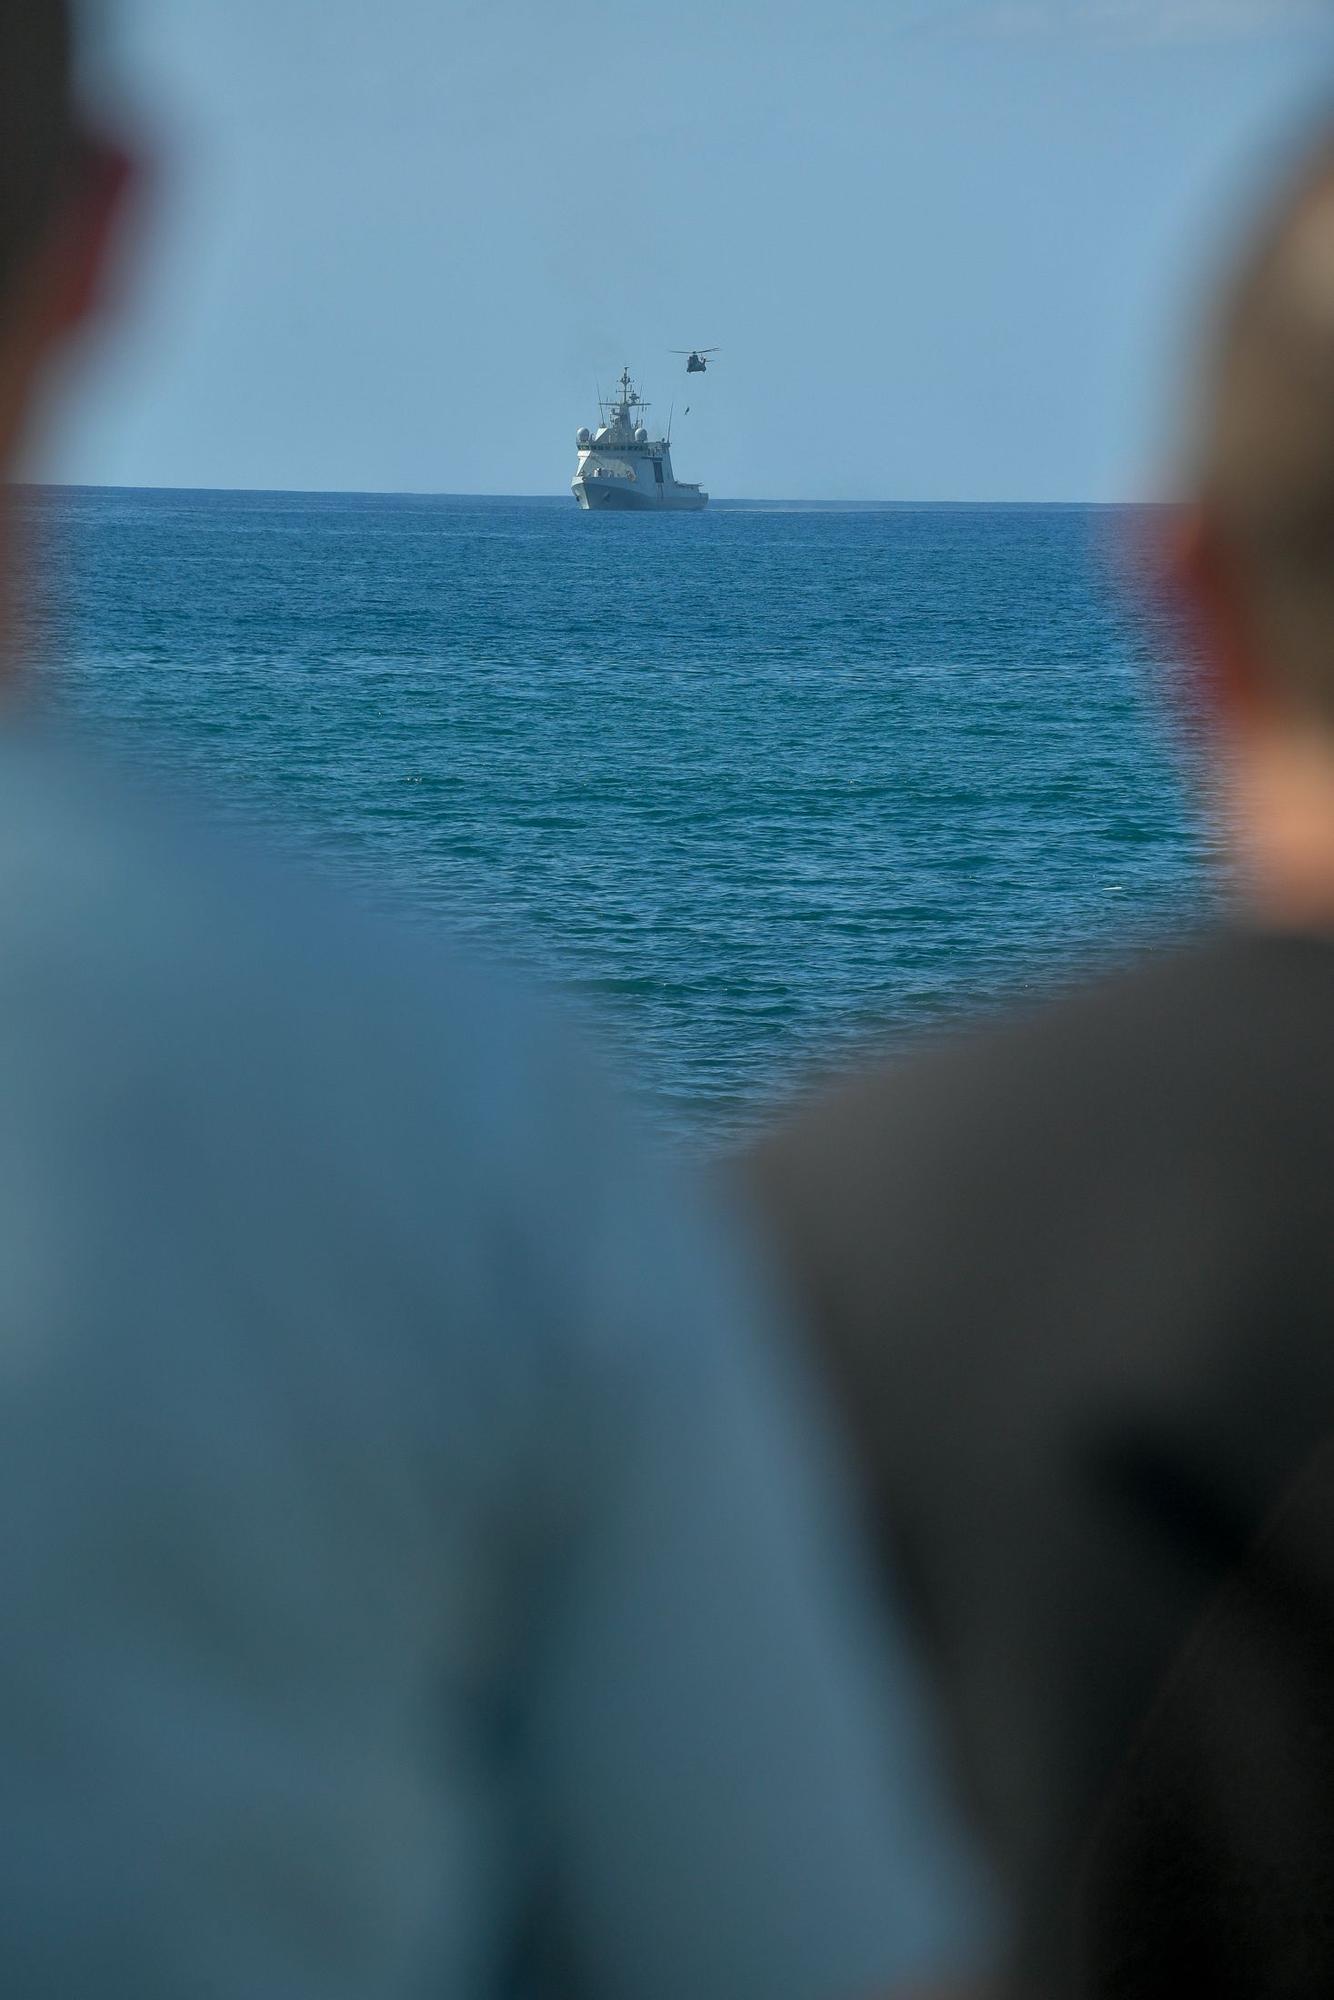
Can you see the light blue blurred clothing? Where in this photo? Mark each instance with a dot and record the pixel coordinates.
(419, 1575)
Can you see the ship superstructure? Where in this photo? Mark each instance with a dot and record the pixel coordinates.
(620, 465)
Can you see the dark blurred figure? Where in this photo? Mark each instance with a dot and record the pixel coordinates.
(418, 1574)
(1075, 1273)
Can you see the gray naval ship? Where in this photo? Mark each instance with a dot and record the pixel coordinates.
(620, 465)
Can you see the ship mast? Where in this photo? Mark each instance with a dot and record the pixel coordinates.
(623, 412)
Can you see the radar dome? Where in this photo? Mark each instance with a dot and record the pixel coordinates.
(641, 435)
(583, 436)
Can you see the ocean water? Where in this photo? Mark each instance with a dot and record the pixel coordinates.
(754, 783)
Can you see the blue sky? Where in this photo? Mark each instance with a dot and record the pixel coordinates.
(948, 247)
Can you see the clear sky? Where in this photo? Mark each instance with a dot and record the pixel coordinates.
(947, 247)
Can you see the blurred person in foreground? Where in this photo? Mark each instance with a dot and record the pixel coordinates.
(419, 1572)
(1074, 1271)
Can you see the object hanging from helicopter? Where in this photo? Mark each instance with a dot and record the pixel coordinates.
(697, 358)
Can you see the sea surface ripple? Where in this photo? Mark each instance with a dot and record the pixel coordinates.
(753, 782)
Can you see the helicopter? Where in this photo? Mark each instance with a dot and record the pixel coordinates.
(696, 362)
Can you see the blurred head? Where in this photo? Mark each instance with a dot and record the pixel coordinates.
(1258, 559)
(1255, 557)
(59, 189)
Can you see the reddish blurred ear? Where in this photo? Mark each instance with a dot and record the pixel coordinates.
(61, 280)
(77, 253)
(1225, 681)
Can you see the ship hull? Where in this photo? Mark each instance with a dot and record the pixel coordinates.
(597, 497)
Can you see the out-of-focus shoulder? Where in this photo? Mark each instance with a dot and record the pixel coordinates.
(1015, 1060)
(169, 961)
(140, 890)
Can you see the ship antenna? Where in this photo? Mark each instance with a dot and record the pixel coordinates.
(670, 414)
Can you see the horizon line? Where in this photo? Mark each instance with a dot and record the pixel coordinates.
(552, 499)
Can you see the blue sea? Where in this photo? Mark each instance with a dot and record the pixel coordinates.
(754, 783)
